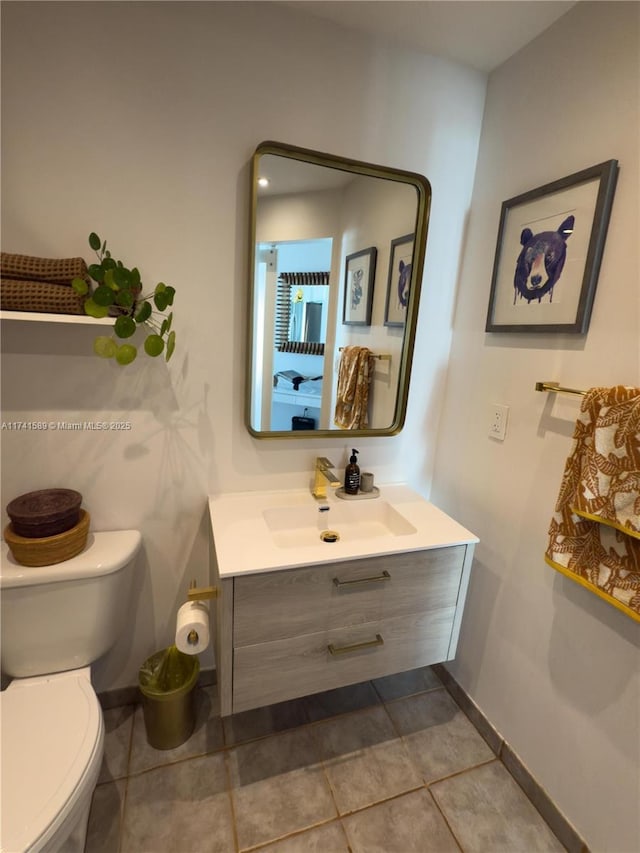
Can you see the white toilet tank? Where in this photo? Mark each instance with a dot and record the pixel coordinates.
(65, 616)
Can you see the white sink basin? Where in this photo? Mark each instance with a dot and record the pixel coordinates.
(300, 526)
(267, 530)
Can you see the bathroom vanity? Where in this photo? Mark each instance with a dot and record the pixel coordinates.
(297, 615)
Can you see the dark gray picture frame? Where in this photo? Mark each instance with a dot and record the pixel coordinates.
(395, 314)
(506, 283)
(359, 277)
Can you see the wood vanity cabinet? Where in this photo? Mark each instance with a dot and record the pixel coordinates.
(291, 632)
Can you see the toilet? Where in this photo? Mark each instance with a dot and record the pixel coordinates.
(56, 621)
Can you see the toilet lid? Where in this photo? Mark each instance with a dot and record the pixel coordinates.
(51, 729)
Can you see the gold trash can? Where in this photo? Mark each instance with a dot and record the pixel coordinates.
(167, 680)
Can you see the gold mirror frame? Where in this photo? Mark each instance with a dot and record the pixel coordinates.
(423, 205)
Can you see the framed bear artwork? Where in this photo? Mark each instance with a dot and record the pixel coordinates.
(399, 279)
(548, 254)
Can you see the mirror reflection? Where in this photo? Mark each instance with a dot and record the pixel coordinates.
(337, 252)
(308, 314)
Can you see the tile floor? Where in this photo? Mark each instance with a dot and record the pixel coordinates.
(389, 766)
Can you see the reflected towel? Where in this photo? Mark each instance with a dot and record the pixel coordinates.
(594, 536)
(354, 375)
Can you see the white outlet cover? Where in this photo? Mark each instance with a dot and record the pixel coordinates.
(499, 415)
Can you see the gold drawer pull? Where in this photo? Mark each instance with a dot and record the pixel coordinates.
(385, 576)
(344, 650)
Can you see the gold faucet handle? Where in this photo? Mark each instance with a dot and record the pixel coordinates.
(322, 461)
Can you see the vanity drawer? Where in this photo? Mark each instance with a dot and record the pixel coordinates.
(290, 603)
(297, 666)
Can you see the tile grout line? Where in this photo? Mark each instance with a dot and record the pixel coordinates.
(444, 817)
(295, 833)
(125, 796)
(462, 772)
(234, 824)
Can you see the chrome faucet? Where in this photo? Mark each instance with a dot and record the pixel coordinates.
(323, 475)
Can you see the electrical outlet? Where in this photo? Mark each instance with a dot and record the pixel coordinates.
(498, 422)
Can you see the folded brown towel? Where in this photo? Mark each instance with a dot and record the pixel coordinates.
(46, 297)
(28, 268)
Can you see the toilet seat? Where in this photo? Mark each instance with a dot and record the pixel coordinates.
(52, 734)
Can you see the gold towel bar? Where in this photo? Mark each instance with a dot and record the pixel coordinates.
(381, 356)
(553, 386)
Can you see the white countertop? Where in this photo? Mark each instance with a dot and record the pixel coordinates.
(297, 398)
(244, 543)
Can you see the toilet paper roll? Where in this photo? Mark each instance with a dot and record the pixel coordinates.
(192, 628)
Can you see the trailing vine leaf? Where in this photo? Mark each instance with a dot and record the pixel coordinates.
(160, 298)
(144, 313)
(153, 345)
(124, 298)
(94, 310)
(171, 344)
(103, 295)
(105, 347)
(96, 271)
(80, 286)
(122, 277)
(126, 353)
(124, 326)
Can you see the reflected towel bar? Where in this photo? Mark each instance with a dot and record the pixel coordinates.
(553, 386)
(381, 356)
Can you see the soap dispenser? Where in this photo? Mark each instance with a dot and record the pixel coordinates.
(352, 474)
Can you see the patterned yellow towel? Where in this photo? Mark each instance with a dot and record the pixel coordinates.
(354, 374)
(594, 536)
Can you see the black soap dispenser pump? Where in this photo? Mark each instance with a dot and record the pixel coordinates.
(352, 474)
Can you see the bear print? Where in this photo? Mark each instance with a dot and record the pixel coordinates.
(541, 261)
(404, 280)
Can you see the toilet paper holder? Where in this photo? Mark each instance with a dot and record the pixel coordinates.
(201, 593)
(196, 593)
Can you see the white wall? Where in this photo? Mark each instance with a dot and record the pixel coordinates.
(138, 121)
(555, 668)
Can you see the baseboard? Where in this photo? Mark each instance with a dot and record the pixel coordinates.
(564, 831)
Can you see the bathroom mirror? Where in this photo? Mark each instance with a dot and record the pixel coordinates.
(337, 252)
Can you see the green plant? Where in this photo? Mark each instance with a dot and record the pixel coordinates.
(120, 287)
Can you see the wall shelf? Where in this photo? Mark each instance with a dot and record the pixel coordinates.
(69, 319)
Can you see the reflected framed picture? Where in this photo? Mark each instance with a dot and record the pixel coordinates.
(399, 280)
(548, 254)
(359, 275)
